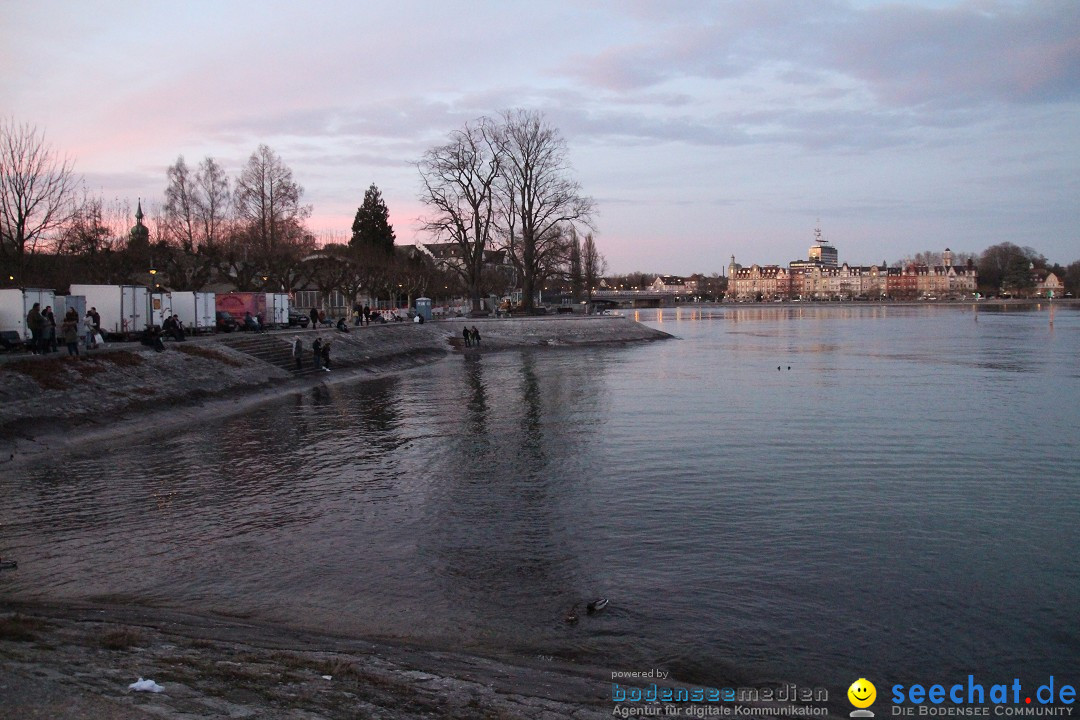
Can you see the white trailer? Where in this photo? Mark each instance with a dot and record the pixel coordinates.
(195, 309)
(124, 309)
(160, 307)
(277, 309)
(68, 302)
(15, 304)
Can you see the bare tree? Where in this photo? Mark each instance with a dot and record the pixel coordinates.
(540, 200)
(593, 265)
(180, 222)
(575, 268)
(269, 209)
(97, 239)
(459, 181)
(36, 193)
(213, 201)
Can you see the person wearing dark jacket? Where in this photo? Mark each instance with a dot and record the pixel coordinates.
(35, 323)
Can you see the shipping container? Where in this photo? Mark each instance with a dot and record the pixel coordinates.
(15, 304)
(124, 309)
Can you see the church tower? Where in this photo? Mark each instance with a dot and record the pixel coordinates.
(140, 234)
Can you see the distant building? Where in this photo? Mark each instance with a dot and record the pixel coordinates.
(1047, 284)
(448, 255)
(674, 284)
(821, 278)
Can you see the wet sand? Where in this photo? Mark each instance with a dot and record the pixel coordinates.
(65, 662)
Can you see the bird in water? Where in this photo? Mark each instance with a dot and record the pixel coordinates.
(596, 606)
(571, 616)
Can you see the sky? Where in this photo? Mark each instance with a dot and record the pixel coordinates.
(701, 129)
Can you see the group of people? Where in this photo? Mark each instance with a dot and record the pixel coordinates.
(472, 337)
(43, 330)
(320, 353)
(361, 315)
(174, 327)
(318, 317)
(253, 323)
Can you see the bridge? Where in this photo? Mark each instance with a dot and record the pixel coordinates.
(633, 298)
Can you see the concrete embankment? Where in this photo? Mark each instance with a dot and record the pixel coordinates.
(52, 402)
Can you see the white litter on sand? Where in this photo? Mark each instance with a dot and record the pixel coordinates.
(145, 686)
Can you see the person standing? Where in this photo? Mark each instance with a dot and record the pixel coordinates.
(367, 315)
(97, 320)
(88, 331)
(50, 329)
(475, 336)
(467, 335)
(298, 352)
(70, 330)
(316, 352)
(35, 323)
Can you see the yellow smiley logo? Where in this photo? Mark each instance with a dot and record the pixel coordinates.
(862, 693)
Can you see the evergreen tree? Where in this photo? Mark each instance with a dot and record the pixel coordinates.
(371, 228)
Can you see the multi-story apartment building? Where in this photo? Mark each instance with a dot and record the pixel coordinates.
(819, 278)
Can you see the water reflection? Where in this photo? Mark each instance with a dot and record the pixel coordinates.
(532, 429)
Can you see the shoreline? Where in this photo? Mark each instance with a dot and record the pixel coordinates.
(77, 660)
(55, 404)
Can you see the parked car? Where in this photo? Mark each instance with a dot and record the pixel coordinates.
(297, 318)
(225, 321)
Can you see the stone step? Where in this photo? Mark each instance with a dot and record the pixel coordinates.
(273, 349)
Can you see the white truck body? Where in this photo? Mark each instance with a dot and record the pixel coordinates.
(124, 309)
(160, 307)
(196, 310)
(277, 309)
(67, 302)
(15, 303)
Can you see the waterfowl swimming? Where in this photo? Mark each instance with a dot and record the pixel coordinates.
(596, 606)
(571, 615)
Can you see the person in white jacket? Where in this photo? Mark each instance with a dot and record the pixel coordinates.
(88, 330)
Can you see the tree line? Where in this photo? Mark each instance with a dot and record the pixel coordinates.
(498, 189)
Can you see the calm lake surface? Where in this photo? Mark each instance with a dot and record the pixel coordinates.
(902, 504)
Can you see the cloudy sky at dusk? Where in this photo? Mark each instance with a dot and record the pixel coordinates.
(702, 129)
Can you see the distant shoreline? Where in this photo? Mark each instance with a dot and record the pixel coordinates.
(991, 302)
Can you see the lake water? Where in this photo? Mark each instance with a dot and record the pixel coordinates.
(901, 504)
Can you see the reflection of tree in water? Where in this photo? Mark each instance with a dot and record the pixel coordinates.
(477, 400)
(497, 533)
(376, 408)
(532, 432)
